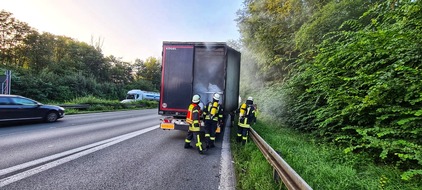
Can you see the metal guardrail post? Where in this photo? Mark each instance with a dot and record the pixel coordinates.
(289, 177)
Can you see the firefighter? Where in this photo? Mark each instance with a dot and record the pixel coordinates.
(213, 114)
(246, 118)
(193, 118)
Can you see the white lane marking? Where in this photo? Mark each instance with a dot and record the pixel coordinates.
(227, 176)
(70, 155)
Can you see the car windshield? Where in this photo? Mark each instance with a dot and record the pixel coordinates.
(131, 96)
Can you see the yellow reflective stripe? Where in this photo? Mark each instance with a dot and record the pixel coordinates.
(207, 135)
(193, 128)
(212, 138)
(187, 141)
(196, 121)
(195, 111)
(244, 125)
(239, 135)
(245, 138)
(189, 121)
(199, 144)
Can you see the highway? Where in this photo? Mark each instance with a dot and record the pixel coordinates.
(111, 150)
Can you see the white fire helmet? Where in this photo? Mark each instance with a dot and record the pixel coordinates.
(216, 96)
(195, 98)
(250, 98)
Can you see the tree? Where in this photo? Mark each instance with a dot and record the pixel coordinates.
(328, 19)
(119, 71)
(268, 28)
(61, 68)
(39, 51)
(12, 35)
(150, 70)
(362, 90)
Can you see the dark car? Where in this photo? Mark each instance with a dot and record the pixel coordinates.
(19, 108)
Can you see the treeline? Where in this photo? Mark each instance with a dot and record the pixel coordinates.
(47, 67)
(346, 71)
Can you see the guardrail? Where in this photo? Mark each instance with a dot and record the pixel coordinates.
(281, 169)
(86, 106)
(76, 106)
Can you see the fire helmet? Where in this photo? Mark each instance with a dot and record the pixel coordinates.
(216, 96)
(195, 98)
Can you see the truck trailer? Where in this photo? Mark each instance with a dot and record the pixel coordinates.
(202, 68)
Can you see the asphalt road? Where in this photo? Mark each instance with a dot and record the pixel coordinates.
(113, 150)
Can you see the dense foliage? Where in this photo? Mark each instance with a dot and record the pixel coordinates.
(48, 67)
(356, 80)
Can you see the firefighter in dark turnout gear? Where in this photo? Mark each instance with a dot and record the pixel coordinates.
(213, 114)
(193, 118)
(247, 117)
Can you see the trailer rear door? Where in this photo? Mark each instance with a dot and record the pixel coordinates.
(177, 76)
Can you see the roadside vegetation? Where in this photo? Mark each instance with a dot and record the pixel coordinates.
(321, 165)
(92, 104)
(251, 168)
(48, 67)
(345, 74)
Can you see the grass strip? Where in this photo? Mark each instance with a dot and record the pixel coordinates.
(322, 166)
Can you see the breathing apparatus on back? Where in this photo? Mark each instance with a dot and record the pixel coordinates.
(214, 107)
(243, 107)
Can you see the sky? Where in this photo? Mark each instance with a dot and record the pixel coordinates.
(131, 29)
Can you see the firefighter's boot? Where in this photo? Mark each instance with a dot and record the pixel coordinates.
(187, 145)
(212, 145)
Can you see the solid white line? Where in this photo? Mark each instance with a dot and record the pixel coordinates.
(52, 157)
(227, 176)
(85, 151)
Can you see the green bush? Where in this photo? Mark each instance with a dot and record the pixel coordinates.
(363, 89)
